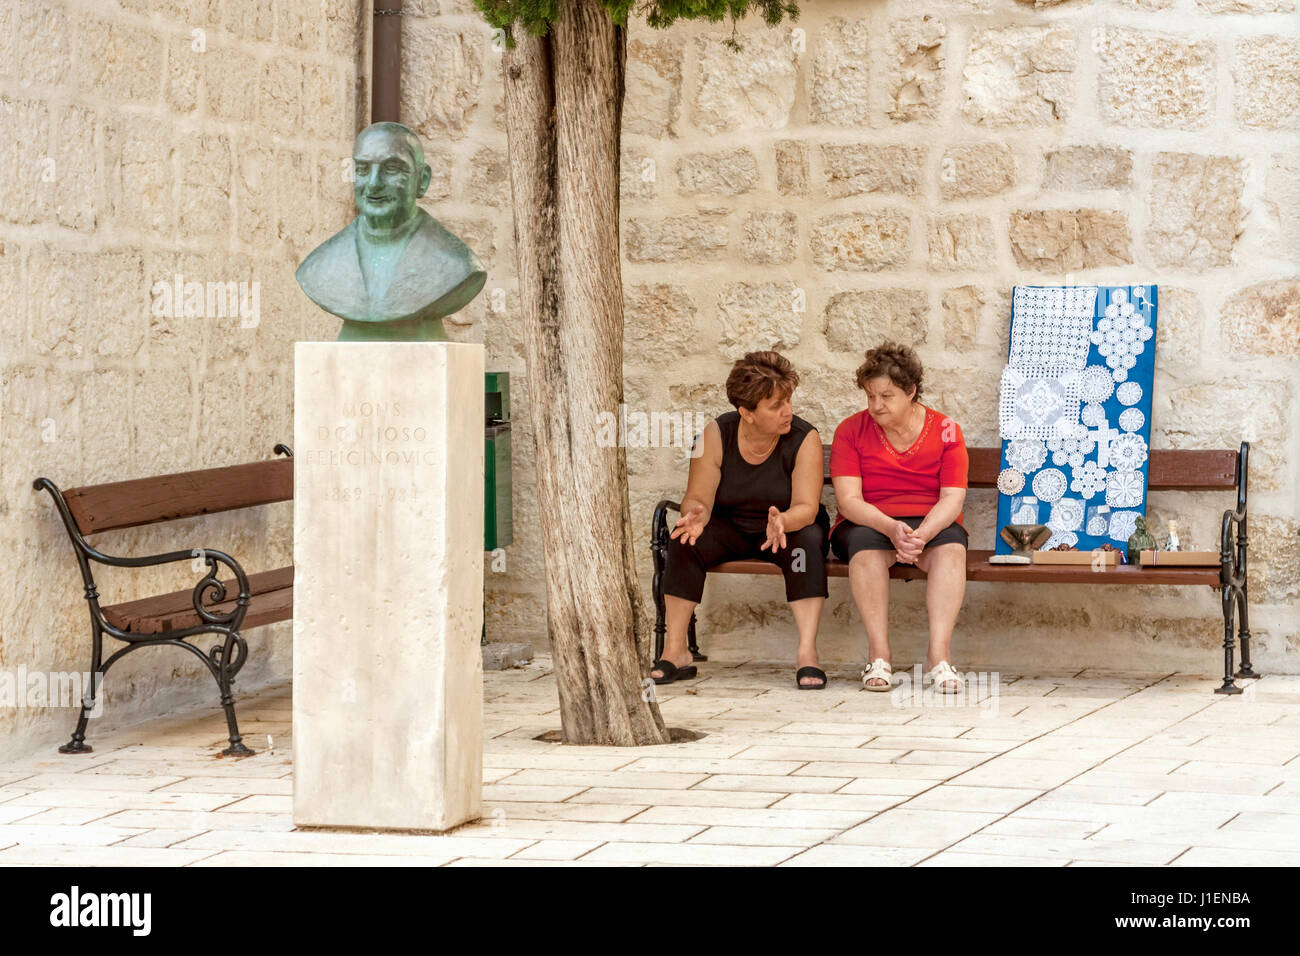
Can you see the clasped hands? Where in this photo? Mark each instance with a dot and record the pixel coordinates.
(908, 545)
(690, 526)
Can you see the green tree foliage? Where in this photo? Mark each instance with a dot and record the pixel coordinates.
(536, 16)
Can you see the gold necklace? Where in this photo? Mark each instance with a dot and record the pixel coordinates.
(907, 447)
(766, 451)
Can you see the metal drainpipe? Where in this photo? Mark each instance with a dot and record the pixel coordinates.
(386, 62)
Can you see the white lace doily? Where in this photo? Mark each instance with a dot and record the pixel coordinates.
(1099, 523)
(1026, 512)
(1026, 454)
(1128, 452)
(1071, 445)
(1131, 419)
(1067, 515)
(1103, 435)
(1093, 414)
(1121, 335)
(1095, 384)
(1060, 537)
(1089, 480)
(1130, 393)
(1124, 489)
(1123, 524)
(1011, 481)
(1049, 484)
(1035, 401)
(1051, 325)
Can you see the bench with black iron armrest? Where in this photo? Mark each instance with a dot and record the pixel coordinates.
(1169, 471)
(224, 607)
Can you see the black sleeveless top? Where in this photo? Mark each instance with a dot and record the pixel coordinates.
(746, 491)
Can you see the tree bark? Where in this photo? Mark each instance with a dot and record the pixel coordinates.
(563, 96)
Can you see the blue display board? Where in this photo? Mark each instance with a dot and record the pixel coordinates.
(1074, 412)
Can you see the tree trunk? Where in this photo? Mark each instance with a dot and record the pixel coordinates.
(564, 95)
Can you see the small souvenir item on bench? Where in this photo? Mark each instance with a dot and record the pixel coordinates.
(1023, 539)
(1171, 542)
(1099, 558)
(1139, 541)
(1185, 559)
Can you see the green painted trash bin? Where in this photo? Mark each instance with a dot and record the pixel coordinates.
(498, 526)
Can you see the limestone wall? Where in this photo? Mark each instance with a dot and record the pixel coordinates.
(883, 168)
(144, 139)
(892, 169)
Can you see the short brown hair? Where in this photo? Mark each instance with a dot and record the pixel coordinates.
(757, 375)
(899, 362)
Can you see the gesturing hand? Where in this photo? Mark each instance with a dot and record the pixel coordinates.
(775, 531)
(907, 543)
(690, 525)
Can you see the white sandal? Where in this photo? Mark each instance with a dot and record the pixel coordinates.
(944, 678)
(879, 669)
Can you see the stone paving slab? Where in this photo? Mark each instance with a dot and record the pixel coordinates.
(1091, 768)
(31, 854)
(693, 797)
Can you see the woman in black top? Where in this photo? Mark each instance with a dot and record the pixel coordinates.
(754, 491)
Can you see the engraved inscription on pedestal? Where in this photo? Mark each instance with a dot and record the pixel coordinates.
(388, 584)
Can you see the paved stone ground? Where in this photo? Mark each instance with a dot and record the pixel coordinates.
(1085, 769)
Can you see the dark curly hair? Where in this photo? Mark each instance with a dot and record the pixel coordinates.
(899, 362)
(756, 376)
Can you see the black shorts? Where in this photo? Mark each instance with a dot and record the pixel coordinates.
(687, 564)
(848, 538)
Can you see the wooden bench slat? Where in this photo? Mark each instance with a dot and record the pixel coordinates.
(1170, 469)
(1192, 470)
(141, 501)
(153, 615)
(978, 569)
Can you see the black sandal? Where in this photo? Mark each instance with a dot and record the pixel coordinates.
(671, 672)
(810, 672)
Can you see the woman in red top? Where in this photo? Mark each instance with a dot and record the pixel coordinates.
(899, 471)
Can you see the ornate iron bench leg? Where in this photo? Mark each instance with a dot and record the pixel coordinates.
(657, 590)
(1243, 638)
(236, 748)
(1238, 565)
(78, 745)
(1229, 604)
(659, 559)
(692, 643)
(225, 670)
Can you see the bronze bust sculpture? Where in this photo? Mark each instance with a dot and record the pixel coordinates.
(394, 271)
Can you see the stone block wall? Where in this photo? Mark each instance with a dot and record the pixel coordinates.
(145, 139)
(879, 169)
(891, 169)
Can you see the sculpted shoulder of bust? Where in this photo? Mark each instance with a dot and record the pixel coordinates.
(394, 271)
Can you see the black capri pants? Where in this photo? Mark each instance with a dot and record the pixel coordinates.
(849, 538)
(721, 540)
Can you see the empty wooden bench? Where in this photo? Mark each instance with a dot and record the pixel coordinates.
(224, 606)
(1168, 471)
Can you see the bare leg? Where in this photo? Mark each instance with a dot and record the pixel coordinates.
(945, 588)
(677, 617)
(869, 582)
(807, 617)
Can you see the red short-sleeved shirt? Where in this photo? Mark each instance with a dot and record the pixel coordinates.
(907, 483)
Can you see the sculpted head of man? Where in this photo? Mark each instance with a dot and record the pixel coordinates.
(388, 175)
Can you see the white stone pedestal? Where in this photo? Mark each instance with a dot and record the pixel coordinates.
(388, 584)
